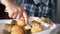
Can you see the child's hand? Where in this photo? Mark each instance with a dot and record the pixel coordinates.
(15, 11)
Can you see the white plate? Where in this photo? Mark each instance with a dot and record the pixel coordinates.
(53, 27)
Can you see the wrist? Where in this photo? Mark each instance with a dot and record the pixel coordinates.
(6, 2)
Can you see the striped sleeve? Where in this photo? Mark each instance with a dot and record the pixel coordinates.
(52, 9)
(47, 9)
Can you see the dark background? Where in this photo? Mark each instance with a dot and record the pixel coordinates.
(3, 15)
(57, 11)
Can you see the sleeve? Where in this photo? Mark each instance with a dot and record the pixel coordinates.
(51, 9)
(47, 9)
(18, 2)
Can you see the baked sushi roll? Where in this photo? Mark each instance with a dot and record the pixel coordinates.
(13, 22)
(36, 28)
(21, 22)
(17, 30)
(7, 27)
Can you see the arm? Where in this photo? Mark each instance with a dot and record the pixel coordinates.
(14, 11)
(6, 2)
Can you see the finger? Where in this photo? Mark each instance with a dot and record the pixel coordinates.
(19, 16)
(15, 14)
(11, 14)
(20, 13)
(25, 17)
